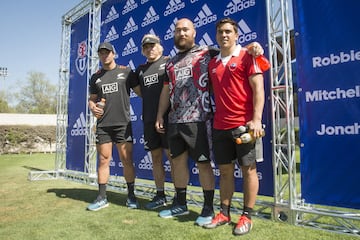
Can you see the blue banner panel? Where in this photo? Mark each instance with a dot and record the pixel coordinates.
(328, 58)
(124, 22)
(76, 130)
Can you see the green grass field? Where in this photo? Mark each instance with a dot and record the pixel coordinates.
(55, 209)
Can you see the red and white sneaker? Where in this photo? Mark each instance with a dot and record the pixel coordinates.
(243, 226)
(218, 220)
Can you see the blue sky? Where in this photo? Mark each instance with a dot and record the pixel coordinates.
(30, 38)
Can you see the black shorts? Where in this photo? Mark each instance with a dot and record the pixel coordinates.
(226, 150)
(153, 139)
(115, 134)
(192, 137)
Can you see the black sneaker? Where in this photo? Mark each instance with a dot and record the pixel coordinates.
(156, 202)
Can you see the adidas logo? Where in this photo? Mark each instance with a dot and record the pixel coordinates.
(130, 48)
(133, 117)
(132, 93)
(79, 127)
(111, 35)
(130, 27)
(146, 162)
(150, 17)
(112, 162)
(167, 166)
(202, 158)
(174, 6)
(238, 5)
(173, 52)
(129, 139)
(131, 65)
(205, 16)
(206, 40)
(245, 33)
(151, 31)
(170, 32)
(112, 15)
(129, 6)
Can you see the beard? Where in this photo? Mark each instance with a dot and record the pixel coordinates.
(183, 44)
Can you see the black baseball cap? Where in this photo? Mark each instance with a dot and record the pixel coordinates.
(149, 39)
(106, 45)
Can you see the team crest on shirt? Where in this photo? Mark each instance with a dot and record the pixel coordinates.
(120, 76)
(232, 66)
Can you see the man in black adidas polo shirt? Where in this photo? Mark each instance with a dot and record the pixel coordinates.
(150, 78)
(112, 83)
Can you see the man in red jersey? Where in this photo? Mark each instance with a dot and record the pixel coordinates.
(186, 92)
(238, 88)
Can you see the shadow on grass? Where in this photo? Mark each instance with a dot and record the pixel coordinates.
(33, 169)
(89, 195)
(80, 194)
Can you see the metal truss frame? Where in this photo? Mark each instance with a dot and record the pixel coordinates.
(70, 17)
(286, 205)
(93, 64)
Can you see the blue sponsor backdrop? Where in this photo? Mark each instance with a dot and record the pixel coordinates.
(328, 58)
(124, 22)
(76, 130)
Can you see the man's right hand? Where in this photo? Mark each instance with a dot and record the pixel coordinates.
(159, 125)
(98, 112)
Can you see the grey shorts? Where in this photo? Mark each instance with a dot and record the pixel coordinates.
(226, 150)
(115, 134)
(191, 137)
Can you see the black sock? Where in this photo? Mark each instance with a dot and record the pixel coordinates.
(102, 190)
(247, 212)
(225, 209)
(131, 187)
(160, 193)
(209, 199)
(181, 196)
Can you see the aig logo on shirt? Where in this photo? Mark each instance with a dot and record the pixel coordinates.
(110, 88)
(184, 72)
(151, 79)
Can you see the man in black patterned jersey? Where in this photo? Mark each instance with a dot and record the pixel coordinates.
(150, 78)
(112, 83)
(186, 91)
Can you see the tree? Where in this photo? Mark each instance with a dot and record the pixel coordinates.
(38, 95)
(4, 103)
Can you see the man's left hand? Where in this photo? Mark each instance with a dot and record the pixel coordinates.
(255, 49)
